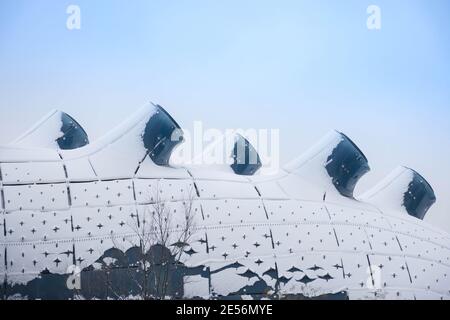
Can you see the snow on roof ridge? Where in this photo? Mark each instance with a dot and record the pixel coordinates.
(384, 183)
(313, 151)
(36, 126)
(140, 115)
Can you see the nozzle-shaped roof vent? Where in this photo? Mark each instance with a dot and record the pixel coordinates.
(346, 165)
(162, 134)
(246, 160)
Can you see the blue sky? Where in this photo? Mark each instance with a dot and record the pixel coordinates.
(304, 67)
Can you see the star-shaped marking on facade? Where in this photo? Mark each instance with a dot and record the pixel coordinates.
(258, 262)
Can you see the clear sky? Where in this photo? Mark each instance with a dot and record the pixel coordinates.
(304, 67)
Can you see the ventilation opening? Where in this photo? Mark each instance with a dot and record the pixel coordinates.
(246, 160)
(162, 134)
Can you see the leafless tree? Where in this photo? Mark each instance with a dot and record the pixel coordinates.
(163, 236)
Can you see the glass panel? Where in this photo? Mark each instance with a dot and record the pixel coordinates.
(419, 197)
(346, 165)
(162, 134)
(73, 136)
(246, 159)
